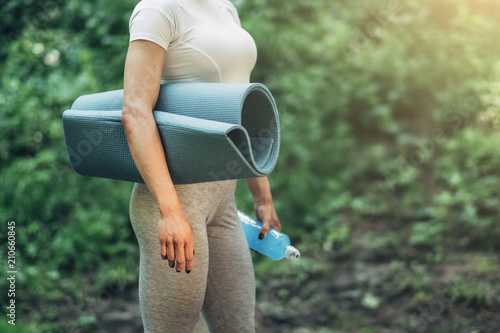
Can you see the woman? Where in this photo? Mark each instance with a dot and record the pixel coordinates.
(191, 227)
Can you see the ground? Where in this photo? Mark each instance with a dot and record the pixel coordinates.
(366, 286)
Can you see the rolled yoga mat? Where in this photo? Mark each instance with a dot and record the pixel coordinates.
(209, 132)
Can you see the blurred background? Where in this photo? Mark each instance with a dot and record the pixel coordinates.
(388, 179)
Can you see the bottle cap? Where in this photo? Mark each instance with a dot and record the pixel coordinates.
(292, 253)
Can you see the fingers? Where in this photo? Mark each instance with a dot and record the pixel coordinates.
(267, 215)
(167, 252)
(264, 218)
(184, 255)
(264, 230)
(189, 256)
(163, 249)
(171, 254)
(179, 255)
(267, 224)
(177, 243)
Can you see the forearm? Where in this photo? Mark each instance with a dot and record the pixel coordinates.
(263, 204)
(149, 157)
(260, 189)
(141, 85)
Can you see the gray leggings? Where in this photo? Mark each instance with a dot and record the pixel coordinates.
(221, 285)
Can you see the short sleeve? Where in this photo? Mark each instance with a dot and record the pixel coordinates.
(234, 13)
(155, 21)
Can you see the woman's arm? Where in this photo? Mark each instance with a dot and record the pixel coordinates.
(263, 204)
(141, 85)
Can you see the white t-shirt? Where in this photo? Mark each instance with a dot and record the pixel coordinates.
(203, 39)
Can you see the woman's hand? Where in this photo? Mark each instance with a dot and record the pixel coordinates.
(263, 204)
(266, 213)
(176, 241)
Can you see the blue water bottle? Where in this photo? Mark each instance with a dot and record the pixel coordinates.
(276, 245)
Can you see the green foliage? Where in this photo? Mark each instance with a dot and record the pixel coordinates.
(468, 180)
(473, 292)
(426, 233)
(389, 111)
(370, 104)
(66, 225)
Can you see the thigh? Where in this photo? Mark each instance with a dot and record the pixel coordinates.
(169, 301)
(229, 304)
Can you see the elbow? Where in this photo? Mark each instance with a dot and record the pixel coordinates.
(132, 115)
(131, 120)
(136, 115)
(127, 117)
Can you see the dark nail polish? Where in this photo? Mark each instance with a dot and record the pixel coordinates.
(261, 236)
(177, 271)
(193, 253)
(188, 272)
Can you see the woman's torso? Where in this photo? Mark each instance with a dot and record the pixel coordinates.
(207, 43)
